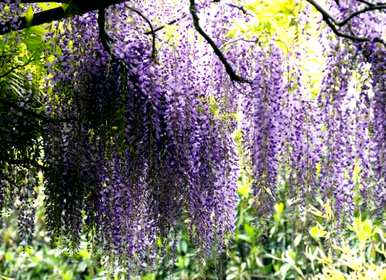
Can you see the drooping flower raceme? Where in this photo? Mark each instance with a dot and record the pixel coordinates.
(378, 66)
(171, 152)
(265, 117)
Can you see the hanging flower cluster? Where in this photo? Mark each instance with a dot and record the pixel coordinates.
(349, 115)
(378, 66)
(337, 161)
(265, 119)
(330, 145)
(147, 147)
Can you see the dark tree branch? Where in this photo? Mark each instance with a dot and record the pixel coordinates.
(104, 37)
(256, 41)
(228, 68)
(81, 7)
(76, 9)
(38, 18)
(33, 114)
(370, 4)
(334, 24)
(241, 8)
(365, 2)
(362, 11)
(57, 13)
(159, 28)
(152, 31)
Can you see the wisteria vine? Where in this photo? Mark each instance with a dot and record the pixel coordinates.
(138, 125)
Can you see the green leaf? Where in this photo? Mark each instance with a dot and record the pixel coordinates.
(149, 276)
(363, 229)
(183, 247)
(33, 39)
(298, 239)
(284, 270)
(317, 232)
(249, 230)
(84, 254)
(29, 15)
(244, 237)
(279, 209)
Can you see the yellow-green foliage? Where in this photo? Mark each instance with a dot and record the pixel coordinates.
(277, 18)
(357, 257)
(280, 22)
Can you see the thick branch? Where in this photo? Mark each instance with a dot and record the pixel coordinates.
(362, 11)
(103, 36)
(105, 39)
(334, 24)
(368, 3)
(56, 14)
(228, 68)
(38, 18)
